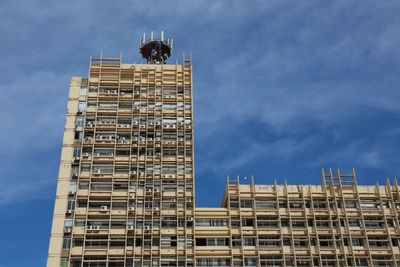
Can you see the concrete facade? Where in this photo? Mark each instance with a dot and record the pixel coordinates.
(126, 192)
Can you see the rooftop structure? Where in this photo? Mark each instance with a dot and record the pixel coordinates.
(155, 50)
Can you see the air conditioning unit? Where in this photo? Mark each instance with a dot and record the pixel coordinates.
(126, 125)
(96, 227)
(147, 228)
(131, 208)
(158, 138)
(89, 227)
(85, 155)
(120, 125)
(104, 208)
(133, 172)
(75, 175)
(122, 93)
(189, 127)
(156, 190)
(67, 230)
(130, 227)
(69, 211)
(181, 139)
(97, 154)
(157, 208)
(167, 126)
(76, 158)
(158, 123)
(97, 171)
(189, 219)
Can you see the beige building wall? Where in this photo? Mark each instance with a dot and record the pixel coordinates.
(64, 176)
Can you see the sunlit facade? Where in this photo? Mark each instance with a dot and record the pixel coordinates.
(125, 194)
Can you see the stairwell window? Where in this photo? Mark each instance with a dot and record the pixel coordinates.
(81, 106)
(83, 91)
(64, 262)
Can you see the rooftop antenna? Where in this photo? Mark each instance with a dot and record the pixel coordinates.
(156, 50)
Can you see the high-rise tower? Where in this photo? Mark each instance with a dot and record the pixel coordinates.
(126, 182)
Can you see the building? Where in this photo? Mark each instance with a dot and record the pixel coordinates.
(125, 194)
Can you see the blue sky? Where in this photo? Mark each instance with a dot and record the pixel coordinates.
(282, 88)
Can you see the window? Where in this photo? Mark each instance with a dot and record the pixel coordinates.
(83, 185)
(351, 204)
(236, 241)
(66, 243)
(269, 241)
(353, 222)
(249, 241)
(247, 203)
(211, 222)
(68, 223)
(361, 262)
(296, 205)
(213, 262)
(266, 204)
(108, 105)
(250, 261)
(168, 241)
(319, 205)
(72, 187)
(79, 120)
(71, 203)
(247, 222)
(282, 204)
(83, 91)
(81, 106)
(77, 152)
(357, 241)
(212, 241)
(64, 262)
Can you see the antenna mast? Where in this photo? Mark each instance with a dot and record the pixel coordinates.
(156, 50)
